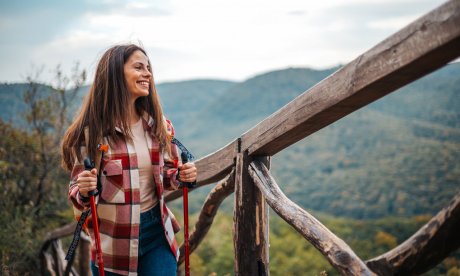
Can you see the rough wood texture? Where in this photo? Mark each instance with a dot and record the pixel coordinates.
(337, 252)
(250, 220)
(426, 248)
(211, 168)
(418, 49)
(217, 165)
(58, 256)
(262, 225)
(59, 233)
(209, 210)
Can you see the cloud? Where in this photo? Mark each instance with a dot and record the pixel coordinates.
(50, 32)
(38, 21)
(200, 38)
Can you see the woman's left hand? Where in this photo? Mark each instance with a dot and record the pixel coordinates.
(187, 172)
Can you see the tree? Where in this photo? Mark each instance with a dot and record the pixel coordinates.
(48, 117)
(32, 198)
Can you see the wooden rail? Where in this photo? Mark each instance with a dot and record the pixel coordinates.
(418, 49)
(426, 248)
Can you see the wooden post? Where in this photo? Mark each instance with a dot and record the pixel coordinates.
(250, 222)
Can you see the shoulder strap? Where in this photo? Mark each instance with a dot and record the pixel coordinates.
(97, 162)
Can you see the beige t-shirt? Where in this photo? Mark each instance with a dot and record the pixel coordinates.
(147, 187)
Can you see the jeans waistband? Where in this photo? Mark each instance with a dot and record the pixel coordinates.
(151, 214)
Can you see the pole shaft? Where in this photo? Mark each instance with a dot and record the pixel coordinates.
(186, 238)
(96, 236)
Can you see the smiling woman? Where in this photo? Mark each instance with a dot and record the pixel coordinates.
(137, 75)
(123, 109)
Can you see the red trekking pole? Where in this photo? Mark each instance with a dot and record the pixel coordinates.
(185, 186)
(89, 166)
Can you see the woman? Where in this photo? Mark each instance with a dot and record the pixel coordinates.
(123, 110)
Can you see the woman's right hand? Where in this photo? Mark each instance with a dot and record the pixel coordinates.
(87, 181)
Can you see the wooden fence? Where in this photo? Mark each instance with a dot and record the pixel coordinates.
(242, 166)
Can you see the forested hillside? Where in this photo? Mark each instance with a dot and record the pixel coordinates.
(398, 156)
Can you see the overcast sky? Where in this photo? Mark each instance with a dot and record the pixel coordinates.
(186, 39)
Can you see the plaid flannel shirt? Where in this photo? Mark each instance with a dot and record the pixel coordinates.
(118, 206)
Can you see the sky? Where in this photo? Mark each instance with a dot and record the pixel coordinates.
(185, 39)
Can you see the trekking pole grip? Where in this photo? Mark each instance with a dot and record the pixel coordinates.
(184, 158)
(88, 167)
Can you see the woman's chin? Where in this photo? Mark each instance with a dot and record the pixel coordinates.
(143, 93)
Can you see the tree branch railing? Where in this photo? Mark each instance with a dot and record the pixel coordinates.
(427, 247)
(336, 251)
(416, 50)
(55, 262)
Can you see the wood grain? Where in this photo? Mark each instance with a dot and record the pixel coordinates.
(211, 168)
(250, 223)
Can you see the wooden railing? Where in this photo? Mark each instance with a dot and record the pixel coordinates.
(54, 261)
(243, 165)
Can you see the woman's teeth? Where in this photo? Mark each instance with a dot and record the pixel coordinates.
(144, 83)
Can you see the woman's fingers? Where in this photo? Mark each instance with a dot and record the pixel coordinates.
(187, 172)
(93, 173)
(87, 181)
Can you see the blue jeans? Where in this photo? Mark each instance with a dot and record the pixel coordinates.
(155, 255)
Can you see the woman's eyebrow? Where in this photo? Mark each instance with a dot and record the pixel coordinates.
(141, 63)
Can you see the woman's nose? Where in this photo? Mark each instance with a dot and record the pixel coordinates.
(147, 74)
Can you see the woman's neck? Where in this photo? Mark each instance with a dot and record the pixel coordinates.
(133, 116)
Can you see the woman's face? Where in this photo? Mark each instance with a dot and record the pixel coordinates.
(137, 75)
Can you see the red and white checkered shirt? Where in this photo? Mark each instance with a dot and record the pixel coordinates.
(118, 206)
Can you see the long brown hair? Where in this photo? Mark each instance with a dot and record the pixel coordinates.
(107, 105)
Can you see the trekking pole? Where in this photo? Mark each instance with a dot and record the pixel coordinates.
(89, 166)
(186, 241)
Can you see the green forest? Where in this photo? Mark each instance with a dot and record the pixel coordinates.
(373, 178)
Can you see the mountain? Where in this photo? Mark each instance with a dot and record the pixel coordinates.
(398, 156)
(12, 104)
(247, 103)
(180, 99)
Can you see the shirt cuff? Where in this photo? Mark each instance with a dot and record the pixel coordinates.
(82, 200)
